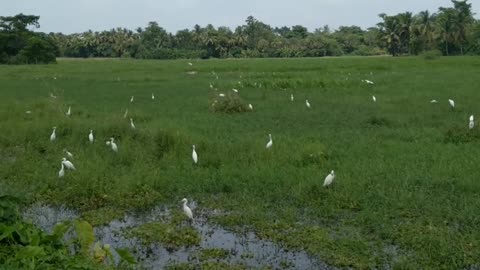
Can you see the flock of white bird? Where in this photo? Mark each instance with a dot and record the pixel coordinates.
(67, 164)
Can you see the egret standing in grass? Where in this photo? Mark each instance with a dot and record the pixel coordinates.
(113, 145)
(433, 101)
(53, 137)
(69, 112)
(329, 179)
(308, 104)
(69, 155)
(90, 136)
(131, 99)
(471, 125)
(250, 106)
(235, 90)
(187, 210)
(125, 114)
(270, 142)
(292, 98)
(374, 99)
(194, 155)
(452, 103)
(68, 164)
(132, 125)
(221, 95)
(153, 97)
(61, 173)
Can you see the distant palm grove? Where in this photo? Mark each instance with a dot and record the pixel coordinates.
(450, 31)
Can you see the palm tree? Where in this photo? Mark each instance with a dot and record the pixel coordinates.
(390, 31)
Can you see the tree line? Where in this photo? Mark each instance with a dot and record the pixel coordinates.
(450, 31)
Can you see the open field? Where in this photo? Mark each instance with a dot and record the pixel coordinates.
(406, 192)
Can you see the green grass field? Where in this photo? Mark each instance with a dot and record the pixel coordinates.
(406, 193)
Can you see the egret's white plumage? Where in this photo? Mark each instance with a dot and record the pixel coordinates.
(235, 90)
(90, 136)
(68, 164)
(221, 95)
(250, 106)
(28, 112)
(368, 82)
(125, 114)
(433, 101)
(153, 97)
(374, 99)
(452, 103)
(52, 95)
(69, 112)
(187, 210)
(291, 97)
(211, 86)
(308, 104)
(61, 173)
(132, 125)
(472, 118)
(329, 179)
(53, 137)
(190, 64)
(69, 155)
(113, 144)
(270, 142)
(194, 155)
(131, 99)
(471, 124)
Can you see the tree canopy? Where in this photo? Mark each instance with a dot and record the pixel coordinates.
(451, 31)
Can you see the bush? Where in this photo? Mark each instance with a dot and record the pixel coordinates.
(231, 103)
(432, 55)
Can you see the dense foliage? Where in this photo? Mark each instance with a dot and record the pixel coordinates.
(19, 45)
(452, 31)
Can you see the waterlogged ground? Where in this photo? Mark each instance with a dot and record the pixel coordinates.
(405, 194)
(213, 245)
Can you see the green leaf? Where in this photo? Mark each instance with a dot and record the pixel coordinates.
(126, 256)
(85, 235)
(30, 252)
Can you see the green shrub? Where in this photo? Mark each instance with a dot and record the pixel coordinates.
(230, 103)
(432, 55)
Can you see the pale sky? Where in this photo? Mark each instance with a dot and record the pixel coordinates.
(69, 16)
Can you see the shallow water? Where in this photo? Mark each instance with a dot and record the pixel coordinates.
(243, 249)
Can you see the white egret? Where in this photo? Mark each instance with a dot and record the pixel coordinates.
(68, 164)
(270, 142)
(235, 90)
(308, 104)
(221, 95)
(70, 155)
(250, 106)
(53, 137)
(291, 97)
(28, 112)
(90, 136)
(113, 144)
(374, 99)
(194, 155)
(125, 114)
(452, 103)
(132, 125)
(52, 95)
(61, 173)
(131, 99)
(190, 64)
(329, 179)
(187, 210)
(153, 97)
(69, 112)
(211, 86)
(471, 125)
(368, 82)
(433, 101)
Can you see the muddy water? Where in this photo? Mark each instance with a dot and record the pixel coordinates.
(243, 249)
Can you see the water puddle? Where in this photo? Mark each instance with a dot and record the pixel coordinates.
(243, 249)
